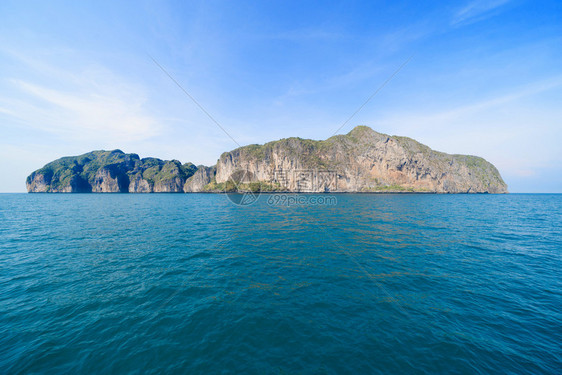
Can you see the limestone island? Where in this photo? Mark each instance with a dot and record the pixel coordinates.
(362, 161)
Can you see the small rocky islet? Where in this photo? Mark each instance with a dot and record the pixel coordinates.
(361, 161)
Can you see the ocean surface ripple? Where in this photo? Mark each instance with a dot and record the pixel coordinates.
(191, 283)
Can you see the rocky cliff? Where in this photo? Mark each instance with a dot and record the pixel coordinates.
(110, 172)
(360, 161)
(200, 179)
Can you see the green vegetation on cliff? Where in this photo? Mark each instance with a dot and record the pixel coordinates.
(365, 160)
(105, 171)
(362, 160)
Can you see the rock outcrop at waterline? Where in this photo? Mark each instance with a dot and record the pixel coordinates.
(110, 172)
(360, 161)
(200, 179)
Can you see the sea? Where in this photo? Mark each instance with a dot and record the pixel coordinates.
(307, 284)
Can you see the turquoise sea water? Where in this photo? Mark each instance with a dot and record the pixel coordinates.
(191, 283)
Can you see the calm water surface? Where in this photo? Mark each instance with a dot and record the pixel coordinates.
(192, 283)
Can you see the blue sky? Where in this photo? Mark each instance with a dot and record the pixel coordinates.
(485, 78)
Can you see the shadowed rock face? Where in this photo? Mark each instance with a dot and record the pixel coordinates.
(110, 172)
(360, 161)
(200, 179)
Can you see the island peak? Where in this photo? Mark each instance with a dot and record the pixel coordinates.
(362, 160)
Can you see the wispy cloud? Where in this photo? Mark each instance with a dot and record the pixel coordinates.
(476, 10)
(88, 104)
(6, 111)
(507, 129)
(464, 111)
(101, 113)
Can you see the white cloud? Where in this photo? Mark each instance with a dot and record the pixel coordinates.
(6, 111)
(517, 132)
(103, 112)
(448, 115)
(476, 10)
(83, 101)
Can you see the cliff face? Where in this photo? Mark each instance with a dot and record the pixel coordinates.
(200, 179)
(360, 161)
(110, 172)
